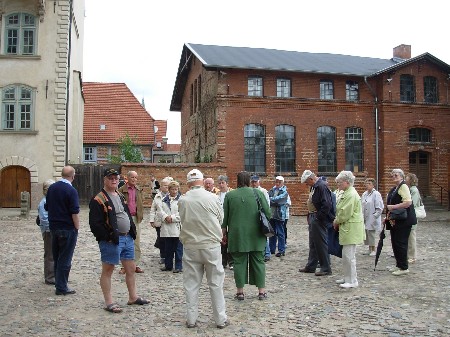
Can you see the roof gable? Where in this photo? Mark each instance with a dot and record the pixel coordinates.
(114, 106)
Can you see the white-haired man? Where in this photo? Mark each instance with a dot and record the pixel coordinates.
(201, 234)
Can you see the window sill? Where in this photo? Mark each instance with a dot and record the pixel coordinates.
(15, 132)
(20, 57)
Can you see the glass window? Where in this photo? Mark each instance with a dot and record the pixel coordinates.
(430, 90)
(407, 88)
(90, 154)
(419, 135)
(285, 148)
(255, 86)
(354, 149)
(326, 89)
(254, 148)
(20, 30)
(283, 87)
(326, 149)
(17, 108)
(351, 91)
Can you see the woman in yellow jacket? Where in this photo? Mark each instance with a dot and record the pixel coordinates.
(350, 223)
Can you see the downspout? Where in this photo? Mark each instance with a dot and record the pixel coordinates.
(68, 80)
(377, 158)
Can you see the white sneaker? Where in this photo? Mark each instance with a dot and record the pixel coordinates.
(349, 285)
(372, 253)
(340, 281)
(392, 269)
(400, 272)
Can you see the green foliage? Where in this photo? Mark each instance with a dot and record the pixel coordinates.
(129, 152)
(197, 158)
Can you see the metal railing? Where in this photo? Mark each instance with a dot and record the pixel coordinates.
(442, 194)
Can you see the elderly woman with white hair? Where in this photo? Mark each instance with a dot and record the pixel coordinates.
(399, 197)
(49, 272)
(350, 223)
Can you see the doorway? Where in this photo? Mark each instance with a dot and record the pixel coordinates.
(13, 180)
(419, 164)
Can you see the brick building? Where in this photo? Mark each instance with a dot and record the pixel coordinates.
(281, 112)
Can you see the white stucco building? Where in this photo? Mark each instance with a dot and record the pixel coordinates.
(41, 101)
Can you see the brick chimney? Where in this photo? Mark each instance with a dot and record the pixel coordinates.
(403, 51)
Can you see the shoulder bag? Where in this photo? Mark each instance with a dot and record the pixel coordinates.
(420, 211)
(264, 222)
(398, 214)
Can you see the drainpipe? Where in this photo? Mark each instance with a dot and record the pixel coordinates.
(377, 158)
(68, 80)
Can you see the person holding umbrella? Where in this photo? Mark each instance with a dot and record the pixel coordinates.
(349, 220)
(400, 197)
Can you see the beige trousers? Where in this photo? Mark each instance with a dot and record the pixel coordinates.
(196, 262)
(412, 244)
(349, 263)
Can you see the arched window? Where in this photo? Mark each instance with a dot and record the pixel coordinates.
(17, 108)
(20, 30)
(254, 148)
(419, 135)
(326, 149)
(354, 150)
(284, 148)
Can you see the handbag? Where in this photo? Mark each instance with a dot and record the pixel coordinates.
(264, 222)
(420, 211)
(38, 221)
(398, 214)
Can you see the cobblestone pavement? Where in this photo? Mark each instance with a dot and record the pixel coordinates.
(417, 304)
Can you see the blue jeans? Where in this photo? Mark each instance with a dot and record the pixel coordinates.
(63, 246)
(267, 251)
(173, 246)
(278, 226)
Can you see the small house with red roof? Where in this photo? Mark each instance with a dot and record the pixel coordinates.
(111, 111)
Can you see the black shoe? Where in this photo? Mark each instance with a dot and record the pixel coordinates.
(68, 292)
(279, 254)
(165, 269)
(176, 271)
(323, 273)
(306, 270)
(266, 259)
(50, 282)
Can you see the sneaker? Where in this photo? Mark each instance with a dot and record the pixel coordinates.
(392, 269)
(340, 281)
(223, 325)
(349, 285)
(400, 272)
(372, 253)
(190, 326)
(412, 261)
(279, 254)
(176, 271)
(267, 258)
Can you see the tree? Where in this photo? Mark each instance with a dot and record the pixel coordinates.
(129, 152)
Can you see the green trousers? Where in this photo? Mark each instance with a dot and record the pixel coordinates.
(249, 268)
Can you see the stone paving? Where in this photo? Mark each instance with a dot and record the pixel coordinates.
(417, 304)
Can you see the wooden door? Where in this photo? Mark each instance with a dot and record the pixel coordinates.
(13, 180)
(419, 164)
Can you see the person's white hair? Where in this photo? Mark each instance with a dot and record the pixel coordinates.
(46, 185)
(167, 180)
(346, 176)
(399, 171)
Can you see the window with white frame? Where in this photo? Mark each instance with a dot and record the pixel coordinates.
(20, 34)
(17, 108)
(89, 154)
(255, 86)
(326, 89)
(283, 87)
(354, 149)
(351, 91)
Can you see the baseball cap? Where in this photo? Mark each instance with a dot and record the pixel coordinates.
(254, 178)
(306, 174)
(110, 172)
(194, 175)
(323, 178)
(279, 178)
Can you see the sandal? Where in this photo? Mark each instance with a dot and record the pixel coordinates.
(139, 301)
(239, 296)
(262, 296)
(114, 308)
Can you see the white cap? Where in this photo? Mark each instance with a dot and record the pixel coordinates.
(279, 178)
(306, 174)
(194, 175)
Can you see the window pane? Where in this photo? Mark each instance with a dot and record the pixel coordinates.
(285, 148)
(254, 148)
(25, 116)
(20, 34)
(352, 91)
(12, 41)
(255, 86)
(326, 149)
(407, 88)
(17, 109)
(9, 116)
(326, 89)
(283, 87)
(421, 135)
(28, 42)
(354, 149)
(430, 90)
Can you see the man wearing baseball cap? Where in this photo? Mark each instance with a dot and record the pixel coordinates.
(278, 197)
(201, 216)
(113, 227)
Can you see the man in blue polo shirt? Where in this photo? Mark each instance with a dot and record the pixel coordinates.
(63, 208)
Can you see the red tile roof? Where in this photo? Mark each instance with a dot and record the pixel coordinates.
(115, 106)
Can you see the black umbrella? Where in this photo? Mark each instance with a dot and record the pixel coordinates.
(379, 248)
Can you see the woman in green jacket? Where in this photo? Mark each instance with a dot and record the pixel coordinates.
(350, 223)
(246, 242)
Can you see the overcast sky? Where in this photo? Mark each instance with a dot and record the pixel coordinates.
(139, 42)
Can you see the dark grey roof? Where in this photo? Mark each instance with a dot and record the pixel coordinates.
(270, 59)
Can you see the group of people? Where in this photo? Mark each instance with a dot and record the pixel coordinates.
(208, 228)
